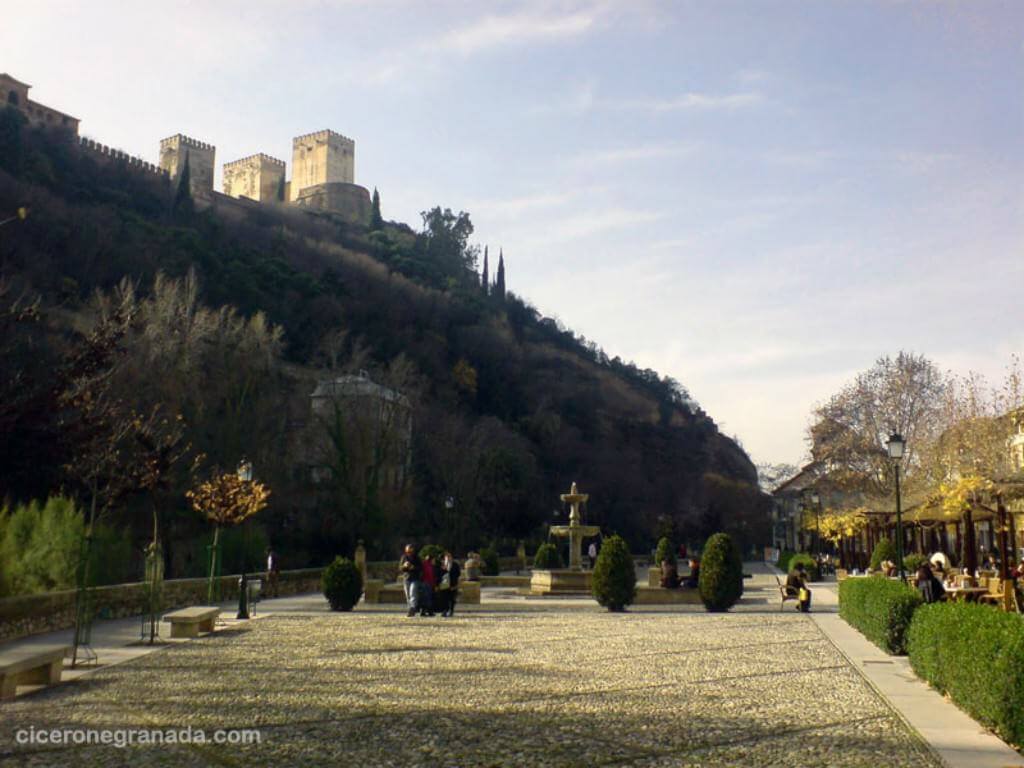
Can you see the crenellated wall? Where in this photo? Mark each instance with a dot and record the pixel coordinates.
(257, 177)
(103, 152)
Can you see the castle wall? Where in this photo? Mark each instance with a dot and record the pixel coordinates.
(103, 153)
(257, 177)
(324, 157)
(175, 149)
(347, 201)
(14, 93)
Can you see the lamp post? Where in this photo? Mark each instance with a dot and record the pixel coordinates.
(245, 475)
(896, 445)
(816, 501)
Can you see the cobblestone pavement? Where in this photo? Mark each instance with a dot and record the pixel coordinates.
(492, 688)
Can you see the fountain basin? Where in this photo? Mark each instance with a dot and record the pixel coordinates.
(561, 581)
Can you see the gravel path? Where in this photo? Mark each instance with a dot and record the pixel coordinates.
(537, 688)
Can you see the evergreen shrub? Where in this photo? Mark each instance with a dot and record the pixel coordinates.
(666, 551)
(435, 551)
(547, 558)
(809, 564)
(975, 654)
(784, 557)
(884, 550)
(342, 584)
(490, 564)
(912, 562)
(720, 579)
(613, 582)
(881, 609)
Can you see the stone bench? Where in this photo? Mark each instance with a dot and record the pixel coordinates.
(504, 581)
(189, 622)
(661, 596)
(31, 665)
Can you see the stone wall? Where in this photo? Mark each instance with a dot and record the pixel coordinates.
(174, 150)
(349, 201)
(257, 177)
(26, 615)
(324, 157)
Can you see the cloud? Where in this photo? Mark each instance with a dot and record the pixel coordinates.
(693, 101)
(593, 222)
(635, 153)
(494, 31)
(515, 207)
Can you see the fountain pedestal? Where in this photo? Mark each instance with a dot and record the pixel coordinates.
(572, 580)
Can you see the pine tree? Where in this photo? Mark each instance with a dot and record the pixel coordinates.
(499, 283)
(376, 220)
(183, 203)
(485, 280)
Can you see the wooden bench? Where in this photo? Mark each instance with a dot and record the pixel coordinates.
(31, 665)
(784, 594)
(189, 622)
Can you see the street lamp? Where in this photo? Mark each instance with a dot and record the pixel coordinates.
(245, 475)
(896, 445)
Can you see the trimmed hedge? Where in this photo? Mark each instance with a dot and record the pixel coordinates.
(975, 654)
(881, 609)
(613, 582)
(884, 550)
(342, 584)
(784, 557)
(720, 579)
(666, 551)
(808, 562)
(546, 558)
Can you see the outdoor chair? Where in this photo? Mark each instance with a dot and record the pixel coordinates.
(784, 594)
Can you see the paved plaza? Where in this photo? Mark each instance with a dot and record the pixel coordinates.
(514, 684)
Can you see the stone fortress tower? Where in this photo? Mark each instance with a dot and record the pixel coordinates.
(258, 177)
(324, 157)
(173, 153)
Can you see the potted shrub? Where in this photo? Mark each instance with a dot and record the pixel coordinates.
(666, 551)
(342, 584)
(614, 579)
(720, 580)
(547, 558)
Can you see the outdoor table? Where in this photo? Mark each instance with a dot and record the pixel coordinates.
(966, 593)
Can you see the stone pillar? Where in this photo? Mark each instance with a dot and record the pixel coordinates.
(360, 559)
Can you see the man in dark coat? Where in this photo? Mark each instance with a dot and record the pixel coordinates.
(450, 572)
(411, 569)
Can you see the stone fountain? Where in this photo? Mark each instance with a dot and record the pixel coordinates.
(571, 580)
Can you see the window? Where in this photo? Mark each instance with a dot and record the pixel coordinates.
(12, 98)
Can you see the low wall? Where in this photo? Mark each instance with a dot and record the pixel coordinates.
(25, 615)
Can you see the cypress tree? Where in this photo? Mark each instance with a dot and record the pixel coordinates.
(280, 190)
(485, 279)
(183, 203)
(499, 284)
(376, 220)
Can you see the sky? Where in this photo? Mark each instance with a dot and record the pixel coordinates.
(756, 198)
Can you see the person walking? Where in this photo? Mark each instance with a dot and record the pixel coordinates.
(411, 568)
(273, 572)
(450, 572)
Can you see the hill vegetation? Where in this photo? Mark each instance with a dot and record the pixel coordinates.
(188, 337)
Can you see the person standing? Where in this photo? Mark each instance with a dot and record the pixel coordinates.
(693, 579)
(412, 570)
(273, 572)
(451, 572)
(428, 585)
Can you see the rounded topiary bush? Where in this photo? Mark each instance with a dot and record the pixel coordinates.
(666, 551)
(431, 550)
(342, 584)
(884, 550)
(912, 562)
(547, 558)
(491, 565)
(808, 562)
(721, 573)
(613, 582)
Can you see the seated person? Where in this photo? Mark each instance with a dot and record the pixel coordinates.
(796, 585)
(940, 560)
(669, 575)
(1018, 572)
(693, 579)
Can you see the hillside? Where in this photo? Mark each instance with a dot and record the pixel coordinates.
(508, 407)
